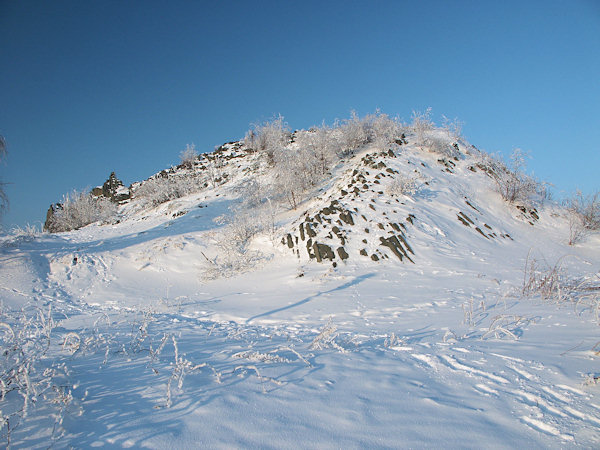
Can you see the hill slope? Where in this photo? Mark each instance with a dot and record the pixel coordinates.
(402, 303)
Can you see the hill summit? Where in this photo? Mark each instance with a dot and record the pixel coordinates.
(369, 283)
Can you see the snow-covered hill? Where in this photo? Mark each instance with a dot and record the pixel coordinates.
(402, 303)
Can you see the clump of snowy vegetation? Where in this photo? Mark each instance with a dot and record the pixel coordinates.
(79, 209)
(403, 185)
(583, 214)
(29, 377)
(162, 188)
(302, 160)
(188, 156)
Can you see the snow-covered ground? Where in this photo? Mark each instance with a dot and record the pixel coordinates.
(441, 348)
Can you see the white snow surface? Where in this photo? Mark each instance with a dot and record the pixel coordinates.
(290, 353)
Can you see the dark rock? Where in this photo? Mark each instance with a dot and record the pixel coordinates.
(481, 232)
(406, 244)
(114, 190)
(50, 224)
(342, 253)
(322, 252)
(346, 216)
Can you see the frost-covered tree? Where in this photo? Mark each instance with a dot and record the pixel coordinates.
(319, 145)
(385, 130)
(188, 156)
(292, 178)
(353, 133)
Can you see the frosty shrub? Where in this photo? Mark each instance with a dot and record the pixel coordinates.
(588, 208)
(513, 184)
(385, 130)
(188, 156)
(161, 189)
(437, 140)
(547, 281)
(79, 209)
(453, 128)
(353, 133)
(215, 168)
(233, 240)
(441, 144)
(28, 378)
(421, 124)
(583, 214)
(19, 235)
(268, 138)
(254, 193)
(402, 185)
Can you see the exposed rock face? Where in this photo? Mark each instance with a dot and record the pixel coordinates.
(329, 230)
(113, 189)
(49, 223)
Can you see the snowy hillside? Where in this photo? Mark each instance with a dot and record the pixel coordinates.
(387, 295)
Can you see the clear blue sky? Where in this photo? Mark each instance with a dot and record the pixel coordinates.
(90, 87)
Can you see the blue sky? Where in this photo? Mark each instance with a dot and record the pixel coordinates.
(90, 87)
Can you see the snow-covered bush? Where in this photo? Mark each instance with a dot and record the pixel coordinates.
(353, 133)
(246, 220)
(588, 208)
(79, 209)
(385, 130)
(161, 189)
(453, 128)
(436, 140)
(268, 138)
(583, 215)
(421, 124)
(402, 185)
(215, 168)
(188, 156)
(440, 143)
(19, 235)
(512, 183)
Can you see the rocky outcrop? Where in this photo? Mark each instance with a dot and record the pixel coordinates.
(49, 223)
(113, 189)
